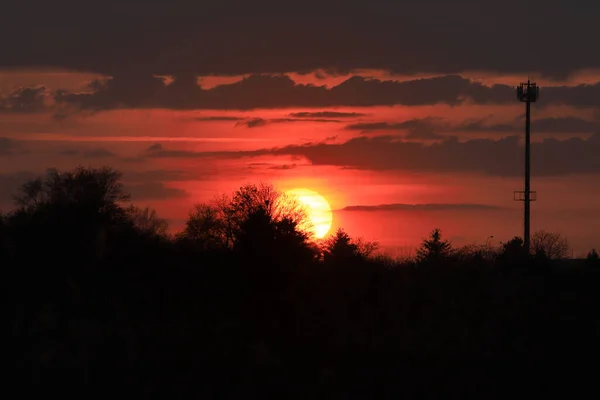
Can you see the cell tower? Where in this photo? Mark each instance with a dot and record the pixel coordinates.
(527, 93)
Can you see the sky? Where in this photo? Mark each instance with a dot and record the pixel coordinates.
(403, 114)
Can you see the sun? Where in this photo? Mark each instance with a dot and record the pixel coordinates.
(318, 209)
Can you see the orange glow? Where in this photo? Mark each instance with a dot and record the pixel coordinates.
(318, 209)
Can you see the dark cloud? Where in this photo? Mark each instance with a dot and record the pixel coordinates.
(235, 37)
(157, 150)
(418, 128)
(253, 123)
(90, 153)
(548, 125)
(154, 191)
(481, 125)
(159, 175)
(502, 157)
(272, 166)
(428, 128)
(150, 184)
(218, 118)
(7, 146)
(326, 114)
(258, 122)
(25, 100)
(375, 126)
(563, 125)
(70, 152)
(284, 166)
(273, 91)
(423, 207)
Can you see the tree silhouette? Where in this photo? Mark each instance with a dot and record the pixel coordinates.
(146, 220)
(549, 245)
(512, 252)
(257, 234)
(262, 236)
(593, 259)
(340, 247)
(219, 223)
(98, 293)
(207, 227)
(434, 249)
(69, 213)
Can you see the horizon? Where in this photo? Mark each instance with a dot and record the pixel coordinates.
(368, 116)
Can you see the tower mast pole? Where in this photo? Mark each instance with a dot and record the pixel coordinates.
(527, 93)
(527, 202)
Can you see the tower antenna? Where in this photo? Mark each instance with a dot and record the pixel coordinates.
(527, 93)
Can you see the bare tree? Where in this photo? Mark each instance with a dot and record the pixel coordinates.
(219, 222)
(31, 194)
(97, 188)
(550, 245)
(278, 205)
(209, 226)
(147, 220)
(366, 248)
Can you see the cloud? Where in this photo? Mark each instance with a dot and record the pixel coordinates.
(276, 91)
(273, 91)
(502, 157)
(7, 146)
(160, 175)
(284, 166)
(25, 100)
(326, 114)
(234, 37)
(90, 153)
(154, 191)
(253, 123)
(422, 207)
(258, 122)
(217, 118)
(567, 124)
(157, 150)
(499, 157)
(428, 128)
(151, 184)
(418, 128)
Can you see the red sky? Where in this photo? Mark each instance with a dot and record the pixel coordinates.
(172, 184)
(367, 104)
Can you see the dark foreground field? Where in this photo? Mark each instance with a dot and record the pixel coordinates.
(380, 333)
(100, 302)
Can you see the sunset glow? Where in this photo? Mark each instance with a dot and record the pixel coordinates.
(421, 125)
(290, 199)
(318, 209)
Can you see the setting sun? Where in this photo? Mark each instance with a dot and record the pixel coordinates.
(318, 209)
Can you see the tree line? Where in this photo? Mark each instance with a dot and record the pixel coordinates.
(99, 291)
